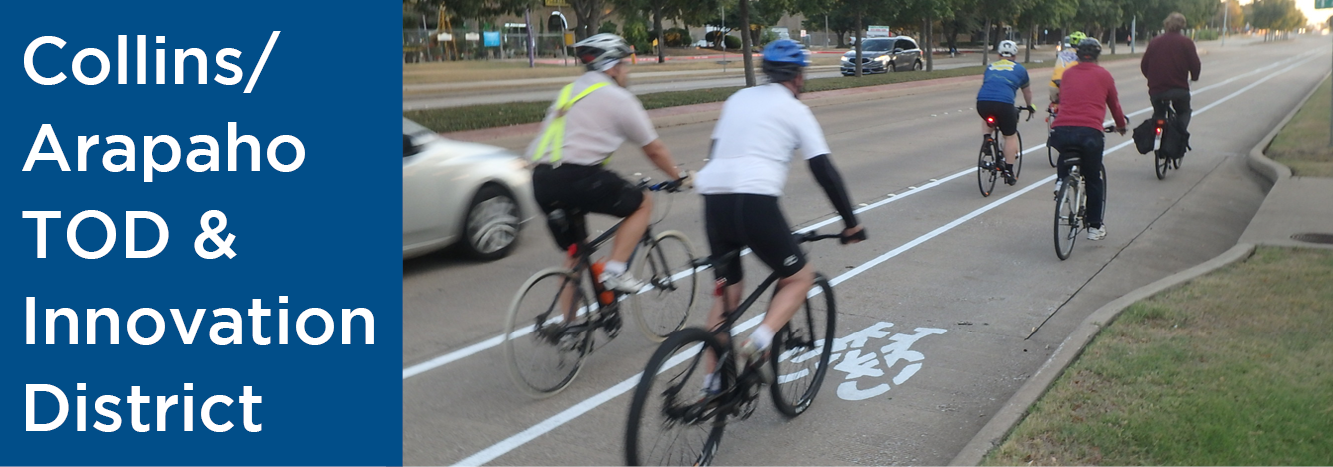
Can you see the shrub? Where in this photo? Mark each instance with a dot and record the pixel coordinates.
(636, 33)
(733, 42)
(1205, 35)
(678, 37)
(607, 27)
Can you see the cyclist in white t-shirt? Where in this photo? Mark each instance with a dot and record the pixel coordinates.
(576, 141)
(753, 144)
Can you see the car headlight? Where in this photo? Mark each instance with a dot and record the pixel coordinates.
(846, 60)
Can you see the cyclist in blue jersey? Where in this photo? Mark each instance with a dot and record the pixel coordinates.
(995, 100)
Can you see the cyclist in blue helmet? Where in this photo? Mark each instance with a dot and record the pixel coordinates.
(759, 130)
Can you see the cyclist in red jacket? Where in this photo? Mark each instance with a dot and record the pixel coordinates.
(1170, 60)
(1086, 91)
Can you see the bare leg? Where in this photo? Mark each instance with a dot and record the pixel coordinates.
(1010, 147)
(631, 231)
(567, 294)
(789, 298)
(730, 299)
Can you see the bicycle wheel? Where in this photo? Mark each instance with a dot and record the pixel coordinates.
(986, 168)
(1018, 155)
(1067, 221)
(801, 351)
(1051, 155)
(667, 266)
(543, 351)
(669, 424)
(1161, 163)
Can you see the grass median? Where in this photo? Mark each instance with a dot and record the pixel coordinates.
(474, 117)
(1303, 145)
(1233, 368)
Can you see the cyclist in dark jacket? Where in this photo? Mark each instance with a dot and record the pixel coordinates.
(1171, 58)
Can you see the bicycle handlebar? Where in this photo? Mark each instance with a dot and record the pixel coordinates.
(1030, 111)
(670, 186)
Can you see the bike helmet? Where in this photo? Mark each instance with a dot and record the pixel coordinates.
(783, 60)
(1008, 48)
(1076, 37)
(600, 52)
(1089, 49)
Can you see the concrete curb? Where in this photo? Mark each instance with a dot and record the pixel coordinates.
(1260, 163)
(1017, 407)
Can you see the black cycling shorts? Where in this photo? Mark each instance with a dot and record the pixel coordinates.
(579, 189)
(736, 221)
(1006, 115)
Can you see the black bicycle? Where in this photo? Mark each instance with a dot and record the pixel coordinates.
(1071, 204)
(551, 322)
(672, 422)
(992, 153)
(1163, 158)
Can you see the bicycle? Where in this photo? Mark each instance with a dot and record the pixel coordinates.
(1071, 205)
(992, 152)
(551, 321)
(1162, 159)
(799, 354)
(1051, 155)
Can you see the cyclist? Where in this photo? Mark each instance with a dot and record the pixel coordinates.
(995, 100)
(1066, 58)
(1087, 90)
(577, 140)
(1169, 60)
(751, 151)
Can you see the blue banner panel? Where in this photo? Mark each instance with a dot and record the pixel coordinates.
(201, 229)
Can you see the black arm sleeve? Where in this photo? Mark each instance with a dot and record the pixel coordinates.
(827, 176)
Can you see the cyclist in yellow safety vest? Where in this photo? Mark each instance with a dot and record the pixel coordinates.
(589, 120)
(1067, 57)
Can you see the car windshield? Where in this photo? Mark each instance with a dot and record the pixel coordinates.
(420, 135)
(879, 45)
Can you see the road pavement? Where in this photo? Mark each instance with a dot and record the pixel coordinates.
(940, 258)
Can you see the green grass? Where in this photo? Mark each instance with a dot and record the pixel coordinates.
(475, 117)
(1234, 368)
(1303, 145)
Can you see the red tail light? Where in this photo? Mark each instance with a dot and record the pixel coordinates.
(990, 120)
(1159, 130)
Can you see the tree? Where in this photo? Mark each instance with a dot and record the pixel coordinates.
(1045, 12)
(1232, 13)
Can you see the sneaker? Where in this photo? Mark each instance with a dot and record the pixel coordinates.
(624, 282)
(756, 358)
(1009, 178)
(1096, 233)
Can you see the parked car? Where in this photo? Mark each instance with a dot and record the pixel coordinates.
(474, 196)
(884, 54)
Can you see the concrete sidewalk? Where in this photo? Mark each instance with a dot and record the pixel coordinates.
(1294, 208)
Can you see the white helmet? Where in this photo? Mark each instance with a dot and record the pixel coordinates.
(1008, 48)
(600, 51)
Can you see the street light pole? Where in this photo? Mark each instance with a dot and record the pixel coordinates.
(1226, 13)
(826, 31)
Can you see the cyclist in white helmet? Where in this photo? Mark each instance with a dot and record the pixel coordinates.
(592, 117)
(995, 100)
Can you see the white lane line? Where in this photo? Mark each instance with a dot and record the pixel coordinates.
(546, 426)
(499, 339)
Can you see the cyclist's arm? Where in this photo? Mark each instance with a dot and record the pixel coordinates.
(1194, 63)
(1113, 103)
(829, 179)
(1027, 95)
(661, 157)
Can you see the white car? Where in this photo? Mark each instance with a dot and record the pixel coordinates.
(475, 196)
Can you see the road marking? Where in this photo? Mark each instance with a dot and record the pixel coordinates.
(587, 405)
(499, 339)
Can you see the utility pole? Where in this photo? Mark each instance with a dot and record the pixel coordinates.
(1133, 31)
(826, 31)
(1226, 13)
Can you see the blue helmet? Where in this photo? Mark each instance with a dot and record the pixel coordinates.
(785, 51)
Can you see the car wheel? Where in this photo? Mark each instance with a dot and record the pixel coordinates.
(491, 226)
(893, 67)
(918, 66)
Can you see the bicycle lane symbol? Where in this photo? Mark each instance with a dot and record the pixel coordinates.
(851, 358)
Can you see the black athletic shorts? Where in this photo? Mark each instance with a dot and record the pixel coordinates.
(1006, 115)
(736, 221)
(578, 189)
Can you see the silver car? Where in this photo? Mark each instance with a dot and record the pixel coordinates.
(884, 54)
(471, 195)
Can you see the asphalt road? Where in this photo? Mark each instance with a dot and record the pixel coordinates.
(973, 280)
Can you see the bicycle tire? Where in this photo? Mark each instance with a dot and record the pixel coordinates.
(1018, 155)
(803, 339)
(658, 396)
(528, 350)
(1161, 164)
(661, 264)
(1050, 151)
(1067, 222)
(985, 176)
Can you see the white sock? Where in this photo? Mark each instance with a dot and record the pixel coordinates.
(762, 337)
(712, 383)
(615, 268)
